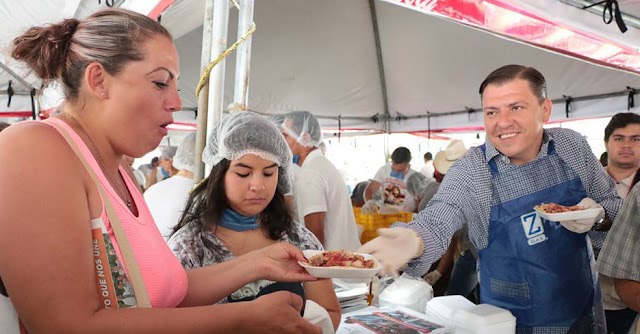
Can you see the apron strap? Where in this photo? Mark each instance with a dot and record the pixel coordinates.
(139, 288)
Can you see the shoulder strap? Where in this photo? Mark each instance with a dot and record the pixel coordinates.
(139, 288)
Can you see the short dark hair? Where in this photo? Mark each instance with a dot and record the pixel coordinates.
(428, 156)
(401, 155)
(512, 72)
(4, 125)
(620, 120)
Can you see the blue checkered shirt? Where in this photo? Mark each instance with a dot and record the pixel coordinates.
(465, 195)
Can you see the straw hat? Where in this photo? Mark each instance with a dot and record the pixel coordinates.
(444, 159)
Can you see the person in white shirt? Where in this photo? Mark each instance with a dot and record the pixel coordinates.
(322, 202)
(391, 181)
(167, 198)
(427, 170)
(622, 140)
(139, 175)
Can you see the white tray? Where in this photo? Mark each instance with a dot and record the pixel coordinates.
(340, 272)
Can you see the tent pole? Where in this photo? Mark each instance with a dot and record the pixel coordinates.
(219, 45)
(243, 56)
(203, 99)
(383, 81)
(15, 76)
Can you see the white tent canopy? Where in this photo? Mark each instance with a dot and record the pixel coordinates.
(321, 56)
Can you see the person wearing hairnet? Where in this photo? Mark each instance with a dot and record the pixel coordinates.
(542, 271)
(390, 182)
(166, 199)
(240, 207)
(323, 202)
(165, 167)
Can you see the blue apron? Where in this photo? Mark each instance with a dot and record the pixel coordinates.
(540, 271)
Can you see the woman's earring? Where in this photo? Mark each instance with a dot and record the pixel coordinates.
(103, 94)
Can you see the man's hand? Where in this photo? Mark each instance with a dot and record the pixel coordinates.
(433, 277)
(394, 248)
(370, 207)
(584, 225)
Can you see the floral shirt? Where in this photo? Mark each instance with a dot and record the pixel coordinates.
(197, 249)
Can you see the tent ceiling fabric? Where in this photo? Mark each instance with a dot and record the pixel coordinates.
(16, 17)
(320, 56)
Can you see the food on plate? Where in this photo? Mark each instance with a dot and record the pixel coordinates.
(340, 259)
(557, 208)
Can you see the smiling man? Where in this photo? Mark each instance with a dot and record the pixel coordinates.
(540, 270)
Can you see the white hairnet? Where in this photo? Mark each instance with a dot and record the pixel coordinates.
(277, 119)
(186, 154)
(303, 127)
(244, 133)
(167, 152)
(417, 183)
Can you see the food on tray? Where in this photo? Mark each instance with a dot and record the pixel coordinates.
(340, 259)
(557, 208)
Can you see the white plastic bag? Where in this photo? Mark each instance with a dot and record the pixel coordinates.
(408, 291)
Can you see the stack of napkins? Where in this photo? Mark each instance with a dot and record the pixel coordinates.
(352, 296)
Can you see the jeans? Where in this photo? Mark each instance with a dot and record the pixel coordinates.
(464, 277)
(619, 321)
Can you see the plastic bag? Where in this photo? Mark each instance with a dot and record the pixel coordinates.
(406, 290)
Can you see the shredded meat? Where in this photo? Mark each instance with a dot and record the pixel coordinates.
(557, 208)
(340, 259)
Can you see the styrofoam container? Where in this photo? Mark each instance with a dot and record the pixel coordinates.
(443, 308)
(469, 318)
(485, 319)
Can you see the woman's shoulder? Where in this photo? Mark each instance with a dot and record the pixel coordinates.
(35, 143)
(32, 134)
(303, 238)
(186, 235)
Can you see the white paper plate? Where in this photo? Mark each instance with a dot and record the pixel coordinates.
(340, 272)
(571, 215)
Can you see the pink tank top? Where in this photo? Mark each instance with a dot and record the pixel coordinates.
(163, 275)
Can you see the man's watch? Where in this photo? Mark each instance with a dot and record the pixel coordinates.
(601, 225)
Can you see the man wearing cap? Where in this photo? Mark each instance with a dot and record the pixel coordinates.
(392, 180)
(167, 198)
(542, 271)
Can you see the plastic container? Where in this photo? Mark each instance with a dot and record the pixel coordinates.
(469, 318)
(442, 309)
(407, 291)
(485, 319)
(372, 222)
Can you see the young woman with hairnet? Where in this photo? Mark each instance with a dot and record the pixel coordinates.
(82, 230)
(240, 207)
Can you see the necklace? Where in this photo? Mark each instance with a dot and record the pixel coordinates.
(124, 195)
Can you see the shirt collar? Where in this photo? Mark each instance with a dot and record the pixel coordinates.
(492, 151)
(312, 155)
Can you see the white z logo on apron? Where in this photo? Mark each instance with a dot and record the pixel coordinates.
(533, 228)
